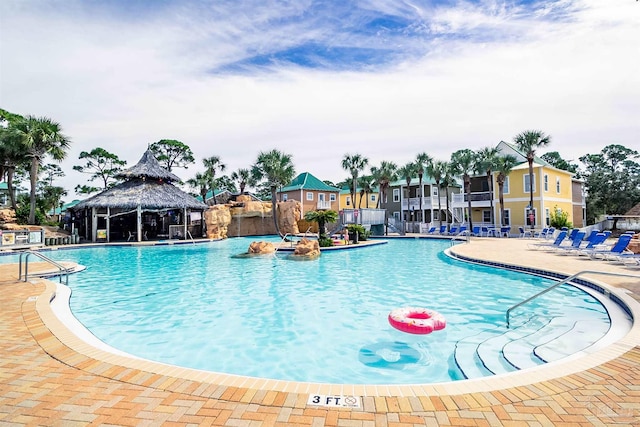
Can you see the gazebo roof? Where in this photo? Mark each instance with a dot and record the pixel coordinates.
(148, 167)
(143, 192)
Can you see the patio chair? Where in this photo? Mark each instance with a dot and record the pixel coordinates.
(431, 230)
(453, 230)
(609, 253)
(525, 233)
(443, 229)
(556, 242)
(505, 231)
(475, 231)
(576, 243)
(462, 229)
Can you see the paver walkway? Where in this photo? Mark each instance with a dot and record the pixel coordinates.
(44, 382)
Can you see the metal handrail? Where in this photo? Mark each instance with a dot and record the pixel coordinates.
(62, 269)
(562, 282)
(464, 236)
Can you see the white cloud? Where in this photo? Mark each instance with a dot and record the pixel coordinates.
(122, 84)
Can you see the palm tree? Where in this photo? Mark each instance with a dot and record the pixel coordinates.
(462, 164)
(276, 168)
(366, 184)
(212, 165)
(322, 218)
(438, 170)
(384, 175)
(447, 181)
(201, 183)
(527, 142)
(487, 159)
(39, 137)
(11, 157)
(243, 177)
(423, 160)
(407, 172)
(354, 164)
(503, 166)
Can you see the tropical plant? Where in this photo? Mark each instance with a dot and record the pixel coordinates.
(503, 167)
(212, 165)
(554, 159)
(462, 164)
(558, 218)
(201, 183)
(437, 170)
(367, 186)
(39, 137)
(487, 159)
(275, 169)
(359, 231)
(99, 164)
(528, 142)
(354, 163)
(407, 171)
(423, 161)
(11, 158)
(384, 175)
(172, 154)
(322, 218)
(242, 177)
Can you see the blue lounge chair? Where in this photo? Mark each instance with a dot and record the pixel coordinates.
(505, 231)
(475, 231)
(611, 253)
(431, 230)
(525, 233)
(576, 243)
(462, 229)
(453, 230)
(556, 242)
(443, 229)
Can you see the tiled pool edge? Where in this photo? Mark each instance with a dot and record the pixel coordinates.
(62, 344)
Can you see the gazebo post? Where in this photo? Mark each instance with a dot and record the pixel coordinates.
(139, 223)
(108, 224)
(184, 216)
(94, 224)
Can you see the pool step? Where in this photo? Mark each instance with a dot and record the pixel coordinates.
(498, 351)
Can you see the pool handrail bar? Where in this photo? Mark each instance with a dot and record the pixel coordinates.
(562, 282)
(464, 235)
(61, 268)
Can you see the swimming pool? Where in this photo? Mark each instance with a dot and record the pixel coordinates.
(316, 321)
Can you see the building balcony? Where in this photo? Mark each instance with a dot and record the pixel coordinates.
(478, 199)
(323, 205)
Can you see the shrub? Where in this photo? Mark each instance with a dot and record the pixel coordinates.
(324, 242)
(357, 228)
(559, 218)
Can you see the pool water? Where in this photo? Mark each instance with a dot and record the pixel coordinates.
(317, 321)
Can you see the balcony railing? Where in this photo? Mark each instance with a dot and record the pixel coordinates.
(413, 203)
(323, 205)
(484, 196)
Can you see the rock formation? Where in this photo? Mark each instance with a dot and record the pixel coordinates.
(261, 248)
(217, 218)
(307, 248)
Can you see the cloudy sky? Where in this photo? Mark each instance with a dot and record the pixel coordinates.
(318, 79)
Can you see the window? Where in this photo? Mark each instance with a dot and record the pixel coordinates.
(309, 195)
(373, 197)
(547, 217)
(285, 197)
(486, 215)
(505, 189)
(321, 197)
(396, 194)
(332, 197)
(434, 191)
(526, 183)
(530, 219)
(507, 217)
(558, 185)
(396, 216)
(436, 215)
(546, 182)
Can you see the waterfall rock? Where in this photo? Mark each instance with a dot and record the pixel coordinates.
(261, 248)
(307, 248)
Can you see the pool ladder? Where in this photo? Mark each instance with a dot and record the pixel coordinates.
(25, 255)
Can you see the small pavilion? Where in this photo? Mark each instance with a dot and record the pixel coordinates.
(146, 206)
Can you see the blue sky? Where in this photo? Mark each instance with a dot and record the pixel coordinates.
(318, 79)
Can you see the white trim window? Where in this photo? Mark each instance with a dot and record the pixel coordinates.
(558, 185)
(505, 188)
(321, 197)
(546, 182)
(285, 197)
(348, 199)
(547, 216)
(507, 217)
(486, 215)
(373, 198)
(526, 183)
(309, 196)
(332, 197)
(396, 216)
(396, 194)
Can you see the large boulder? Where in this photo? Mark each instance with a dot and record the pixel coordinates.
(289, 213)
(217, 219)
(7, 216)
(307, 248)
(261, 248)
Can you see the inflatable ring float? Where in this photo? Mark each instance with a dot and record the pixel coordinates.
(416, 320)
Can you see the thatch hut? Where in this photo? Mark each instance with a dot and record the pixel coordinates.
(145, 206)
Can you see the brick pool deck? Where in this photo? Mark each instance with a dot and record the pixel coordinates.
(49, 377)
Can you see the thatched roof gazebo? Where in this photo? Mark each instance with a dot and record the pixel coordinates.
(147, 190)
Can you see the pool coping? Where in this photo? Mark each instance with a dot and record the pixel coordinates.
(63, 344)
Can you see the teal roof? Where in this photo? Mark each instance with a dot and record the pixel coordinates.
(306, 181)
(348, 190)
(4, 186)
(58, 211)
(210, 194)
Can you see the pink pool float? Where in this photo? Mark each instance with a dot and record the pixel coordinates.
(414, 320)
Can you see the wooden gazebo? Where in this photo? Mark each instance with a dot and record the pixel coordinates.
(145, 206)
